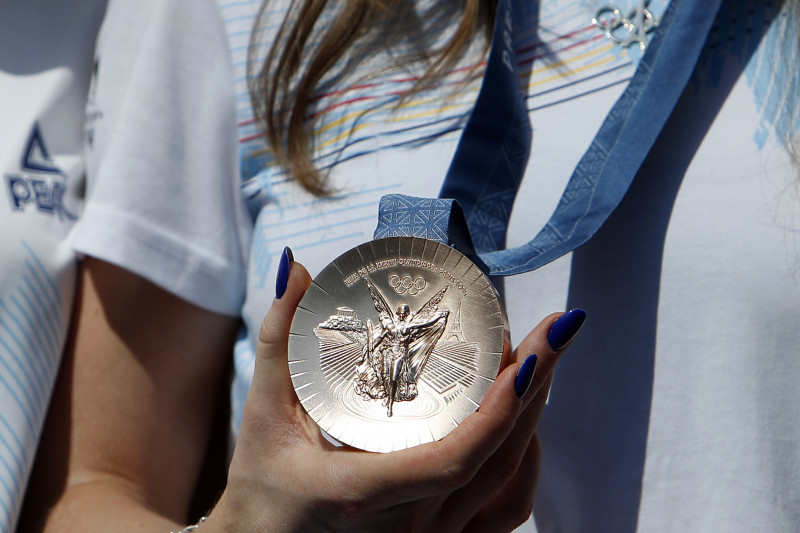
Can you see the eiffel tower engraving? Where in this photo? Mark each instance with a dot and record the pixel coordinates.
(456, 334)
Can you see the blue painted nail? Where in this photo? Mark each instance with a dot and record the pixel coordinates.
(566, 328)
(284, 266)
(525, 376)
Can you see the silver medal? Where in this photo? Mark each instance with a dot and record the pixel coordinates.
(395, 343)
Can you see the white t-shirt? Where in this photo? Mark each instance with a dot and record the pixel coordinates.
(675, 408)
(46, 52)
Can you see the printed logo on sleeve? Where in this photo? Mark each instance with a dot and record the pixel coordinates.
(41, 184)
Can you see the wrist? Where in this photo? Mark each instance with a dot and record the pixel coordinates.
(227, 517)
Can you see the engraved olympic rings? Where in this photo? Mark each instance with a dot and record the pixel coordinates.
(634, 26)
(406, 284)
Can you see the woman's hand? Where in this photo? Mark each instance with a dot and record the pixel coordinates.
(286, 476)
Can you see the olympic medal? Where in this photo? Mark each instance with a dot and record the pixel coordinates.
(395, 343)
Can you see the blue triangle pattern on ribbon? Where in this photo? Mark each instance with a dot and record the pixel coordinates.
(405, 216)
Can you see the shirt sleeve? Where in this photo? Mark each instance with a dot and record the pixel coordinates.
(163, 194)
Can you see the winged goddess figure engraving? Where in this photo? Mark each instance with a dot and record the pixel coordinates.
(397, 348)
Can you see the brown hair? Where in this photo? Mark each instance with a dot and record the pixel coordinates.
(305, 50)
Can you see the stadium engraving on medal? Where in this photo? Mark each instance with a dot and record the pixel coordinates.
(395, 343)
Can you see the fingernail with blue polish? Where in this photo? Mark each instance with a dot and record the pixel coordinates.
(525, 376)
(565, 328)
(284, 267)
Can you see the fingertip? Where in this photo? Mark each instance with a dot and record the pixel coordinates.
(565, 329)
(284, 268)
(525, 375)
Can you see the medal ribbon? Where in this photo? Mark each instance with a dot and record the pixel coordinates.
(478, 193)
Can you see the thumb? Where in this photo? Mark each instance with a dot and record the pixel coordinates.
(271, 375)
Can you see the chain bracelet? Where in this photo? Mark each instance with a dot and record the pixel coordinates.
(187, 529)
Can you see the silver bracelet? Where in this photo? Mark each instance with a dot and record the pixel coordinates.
(187, 529)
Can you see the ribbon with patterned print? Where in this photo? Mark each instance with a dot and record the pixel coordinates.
(478, 193)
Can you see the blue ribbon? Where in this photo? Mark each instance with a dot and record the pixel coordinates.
(492, 154)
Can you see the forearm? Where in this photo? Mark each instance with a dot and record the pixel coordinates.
(131, 415)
